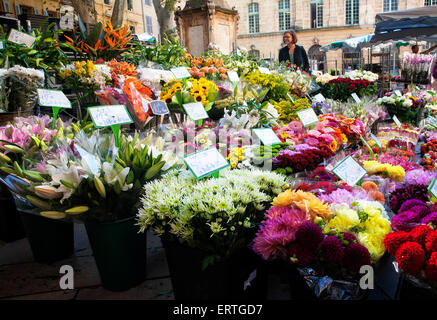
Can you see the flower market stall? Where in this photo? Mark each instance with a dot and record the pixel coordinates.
(243, 171)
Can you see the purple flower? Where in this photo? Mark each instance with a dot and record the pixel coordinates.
(332, 249)
(344, 196)
(405, 221)
(430, 218)
(419, 176)
(349, 237)
(309, 235)
(407, 205)
(300, 254)
(355, 256)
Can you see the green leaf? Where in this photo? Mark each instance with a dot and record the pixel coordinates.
(95, 34)
(209, 260)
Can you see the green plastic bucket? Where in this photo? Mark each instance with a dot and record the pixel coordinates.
(50, 240)
(120, 253)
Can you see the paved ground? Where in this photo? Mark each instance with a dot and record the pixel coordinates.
(22, 278)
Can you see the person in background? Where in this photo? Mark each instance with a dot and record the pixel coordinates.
(294, 53)
(415, 49)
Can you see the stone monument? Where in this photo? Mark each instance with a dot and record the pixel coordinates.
(205, 24)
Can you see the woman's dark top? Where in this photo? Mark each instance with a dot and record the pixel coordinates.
(300, 57)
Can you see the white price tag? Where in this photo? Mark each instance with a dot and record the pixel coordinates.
(398, 123)
(356, 98)
(378, 142)
(264, 70)
(349, 171)
(205, 162)
(159, 107)
(308, 117)
(398, 93)
(233, 76)
(195, 111)
(105, 116)
(319, 98)
(180, 72)
(433, 187)
(267, 136)
(18, 37)
(53, 98)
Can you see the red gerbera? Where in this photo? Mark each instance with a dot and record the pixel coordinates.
(410, 257)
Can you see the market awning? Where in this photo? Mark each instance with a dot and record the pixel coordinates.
(351, 43)
(430, 11)
(420, 28)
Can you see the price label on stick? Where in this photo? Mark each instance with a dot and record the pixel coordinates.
(308, 117)
(319, 98)
(433, 187)
(377, 141)
(18, 37)
(206, 162)
(159, 107)
(110, 116)
(233, 76)
(349, 171)
(356, 98)
(195, 111)
(264, 70)
(267, 136)
(398, 123)
(55, 99)
(180, 72)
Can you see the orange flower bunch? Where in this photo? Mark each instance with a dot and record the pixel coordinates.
(136, 91)
(115, 39)
(121, 70)
(203, 67)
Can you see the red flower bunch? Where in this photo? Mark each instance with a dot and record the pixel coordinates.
(304, 160)
(415, 250)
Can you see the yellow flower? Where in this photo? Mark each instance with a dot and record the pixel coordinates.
(373, 243)
(90, 66)
(344, 220)
(343, 138)
(65, 73)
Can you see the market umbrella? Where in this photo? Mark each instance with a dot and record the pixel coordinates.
(430, 11)
(351, 43)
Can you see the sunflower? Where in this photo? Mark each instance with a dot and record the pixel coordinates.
(198, 98)
(333, 145)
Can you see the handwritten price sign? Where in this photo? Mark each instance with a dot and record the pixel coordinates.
(18, 37)
(206, 162)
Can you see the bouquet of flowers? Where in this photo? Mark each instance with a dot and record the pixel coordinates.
(415, 67)
(299, 81)
(361, 75)
(217, 216)
(277, 86)
(288, 109)
(342, 88)
(178, 92)
(403, 107)
(20, 85)
(120, 71)
(86, 75)
(208, 67)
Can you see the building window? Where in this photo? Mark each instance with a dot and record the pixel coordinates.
(253, 18)
(129, 5)
(132, 29)
(352, 12)
(148, 2)
(149, 25)
(316, 13)
(284, 15)
(391, 5)
(107, 2)
(430, 2)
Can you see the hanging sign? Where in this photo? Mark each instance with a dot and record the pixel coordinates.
(233, 76)
(349, 171)
(308, 117)
(180, 72)
(195, 111)
(267, 136)
(18, 37)
(159, 107)
(206, 162)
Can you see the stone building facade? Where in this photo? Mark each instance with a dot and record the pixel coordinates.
(139, 15)
(317, 22)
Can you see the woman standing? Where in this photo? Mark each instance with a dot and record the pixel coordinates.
(292, 52)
